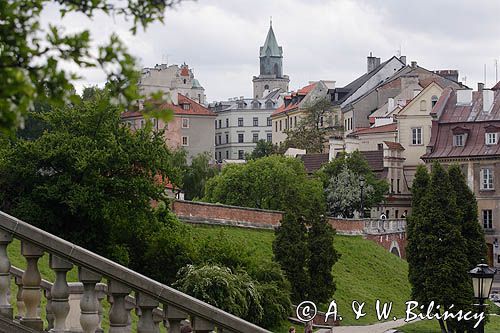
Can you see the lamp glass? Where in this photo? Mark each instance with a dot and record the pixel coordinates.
(476, 284)
(487, 282)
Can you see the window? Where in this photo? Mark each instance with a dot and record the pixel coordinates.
(396, 214)
(266, 87)
(491, 138)
(227, 154)
(458, 140)
(186, 106)
(397, 186)
(434, 100)
(269, 105)
(256, 105)
(255, 121)
(220, 156)
(185, 141)
(220, 123)
(295, 121)
(240, 154)
(240, 122)
(423, 106)
(280, 126)
(416, 136)
(321, 121)
(392, 185)
(185, 123)
(255, 137)
(184, 81)
(276, 126)
(269, 137)
(216, 124)
(227, 122)
(488, 219)
(269, 121)
(486, 179)
(240, 138)
(227, 138)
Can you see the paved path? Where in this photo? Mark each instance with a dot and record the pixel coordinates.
(376, 328)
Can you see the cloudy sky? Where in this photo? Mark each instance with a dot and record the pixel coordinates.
(321, 39)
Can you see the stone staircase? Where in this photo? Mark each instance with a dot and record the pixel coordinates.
(76, 307)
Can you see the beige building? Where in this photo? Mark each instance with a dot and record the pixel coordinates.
(171, 80)
(294, 108)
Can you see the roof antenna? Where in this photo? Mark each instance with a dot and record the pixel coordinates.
(271, 21)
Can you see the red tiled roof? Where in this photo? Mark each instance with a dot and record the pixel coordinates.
(184, 71)
(194, 107)
(379, 129)
(292, 106)
(496, 86)
(131, 114)
(307, 89)
(394, 145)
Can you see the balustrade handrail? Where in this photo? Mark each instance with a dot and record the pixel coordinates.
(111, 270)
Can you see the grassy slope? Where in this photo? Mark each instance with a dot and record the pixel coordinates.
(365, 271)
(432, 326)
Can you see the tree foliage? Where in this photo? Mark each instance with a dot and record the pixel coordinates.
(31, 55)
(439, 273)
(87, 178)
(273, 182)
(309, 134)
(334, 177)
(196, 176)
(262, 149)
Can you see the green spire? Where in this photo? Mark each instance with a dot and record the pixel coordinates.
(271, 47)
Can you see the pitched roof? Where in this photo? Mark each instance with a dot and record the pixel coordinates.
(271, 47)
(312, 162)
(379, 129)
(292, 106)
(470, 119)
(394, 145)
(194, 107)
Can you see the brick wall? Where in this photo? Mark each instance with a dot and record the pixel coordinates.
(201, 212)
(347, 226)
(390, 241)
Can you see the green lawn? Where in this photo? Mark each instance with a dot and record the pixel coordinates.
(366, 272)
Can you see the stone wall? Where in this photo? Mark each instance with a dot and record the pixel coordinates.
(392, 242)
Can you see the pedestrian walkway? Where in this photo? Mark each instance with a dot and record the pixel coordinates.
(387, 326)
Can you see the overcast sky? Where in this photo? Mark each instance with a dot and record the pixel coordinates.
(321, 39)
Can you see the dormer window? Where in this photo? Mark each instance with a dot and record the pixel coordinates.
(186, 106)
(459, 140)
(269, 105)
(241, 105)
(491, 138)
(255, 105)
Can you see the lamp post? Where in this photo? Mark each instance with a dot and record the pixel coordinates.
(362, 185)
(482, 279)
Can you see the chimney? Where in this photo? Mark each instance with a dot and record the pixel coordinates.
(403, 59)
(450, 74)
(488, 97)
(372, 62)
(480, 86)
(464, 97)
(413, 64)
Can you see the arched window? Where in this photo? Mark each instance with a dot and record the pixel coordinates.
(434, 100)
(423, 106)
(255, 105)
(266, 87)
(184, 81)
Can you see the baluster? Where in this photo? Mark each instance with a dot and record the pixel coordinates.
(174, 317)
(21, 308)
(147, 304)
(118, 315)
(48, 310)
(5, 307)
(129, 306)
(201, 325)
(89, 304)
(60, 293)
(157, 318)
(100, 296)
(31, 286)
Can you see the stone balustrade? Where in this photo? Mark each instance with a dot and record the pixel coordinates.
(384, 226)
(155, 303)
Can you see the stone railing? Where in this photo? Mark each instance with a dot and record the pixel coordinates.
(150, 296)
(377, 226)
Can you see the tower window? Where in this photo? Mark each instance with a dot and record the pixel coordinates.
(266, 87)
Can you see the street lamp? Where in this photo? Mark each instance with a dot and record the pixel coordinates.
(482, 279)
(362, 185)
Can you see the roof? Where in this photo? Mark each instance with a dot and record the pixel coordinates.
(312, 162)
(194, 107)
(464, 119)
(271, 47)
(379, 129)
(247, 103)
(394, 145)
(294, 105)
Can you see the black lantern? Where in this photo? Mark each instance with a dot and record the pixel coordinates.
(482, 279)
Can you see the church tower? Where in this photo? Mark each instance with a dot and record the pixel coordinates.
(271, 68)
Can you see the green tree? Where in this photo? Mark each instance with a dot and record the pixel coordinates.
(196, 176)
(467, 213)
(322, 258)
(437, 234)
(291, 251)
(87, 178)
(375, 189)
(310, 133)
(30, 54)
(262, 149)
(273, 182)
